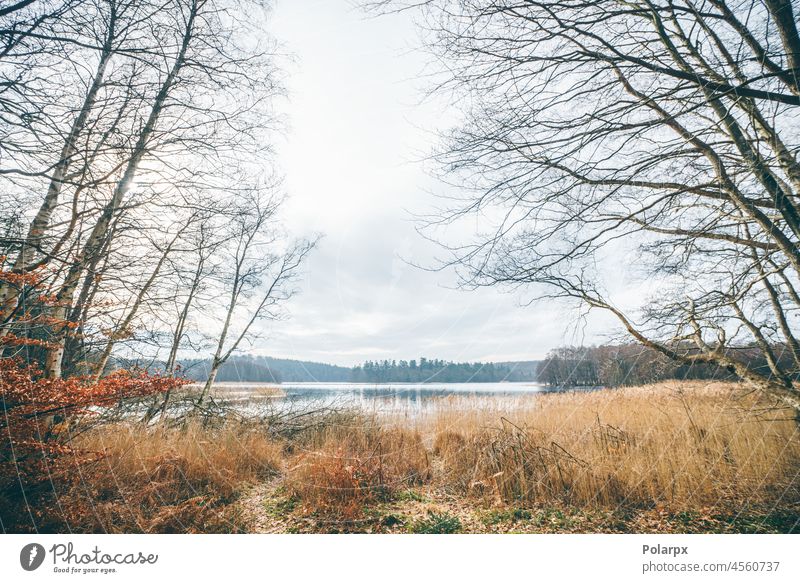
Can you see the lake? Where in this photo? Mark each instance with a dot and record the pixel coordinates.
(390, 397)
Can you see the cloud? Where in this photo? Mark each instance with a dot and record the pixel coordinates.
(357, 125)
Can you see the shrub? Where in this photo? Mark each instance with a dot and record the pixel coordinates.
(39, 420)
(364, 465)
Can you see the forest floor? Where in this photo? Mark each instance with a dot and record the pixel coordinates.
(267, 509)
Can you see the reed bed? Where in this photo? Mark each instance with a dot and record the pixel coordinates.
(684, 445)
(675, 445)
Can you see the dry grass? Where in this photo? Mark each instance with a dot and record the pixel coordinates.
(672, 447)
(683, 445)
(677, 446)
(167, 480)
(235, 391)
(353, 466)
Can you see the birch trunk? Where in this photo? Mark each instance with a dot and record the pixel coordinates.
(41, 221)
(212, 376)
(180, 325)
(66, 293)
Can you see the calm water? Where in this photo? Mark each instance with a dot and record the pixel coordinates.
(384, 397)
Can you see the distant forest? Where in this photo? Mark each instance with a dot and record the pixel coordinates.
(443, 372)
(613, 365)
(609, 365)
(266, 369)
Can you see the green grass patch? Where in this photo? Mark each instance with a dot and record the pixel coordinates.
(411, 496)
(279, 507)
(510, 515)
(437, 523)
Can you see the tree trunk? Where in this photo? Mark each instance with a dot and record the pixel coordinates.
(41, 222)
(182, 317)
(98, 234)
(212, 376)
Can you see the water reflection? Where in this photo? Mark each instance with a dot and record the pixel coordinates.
(400, 397)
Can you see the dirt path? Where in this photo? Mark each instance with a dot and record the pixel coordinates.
(255, 506)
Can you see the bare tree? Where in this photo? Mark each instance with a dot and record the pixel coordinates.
(118, 20)
(258, 276)
(97, 237)
(201, 268)
(153, 106)
(593, 126)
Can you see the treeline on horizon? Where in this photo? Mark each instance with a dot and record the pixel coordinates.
(247, 368)
(629, 364)
(608, 365)
(436, 370)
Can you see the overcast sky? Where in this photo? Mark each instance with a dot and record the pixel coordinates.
(358, 128)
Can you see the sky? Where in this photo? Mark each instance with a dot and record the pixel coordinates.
(358, 127)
